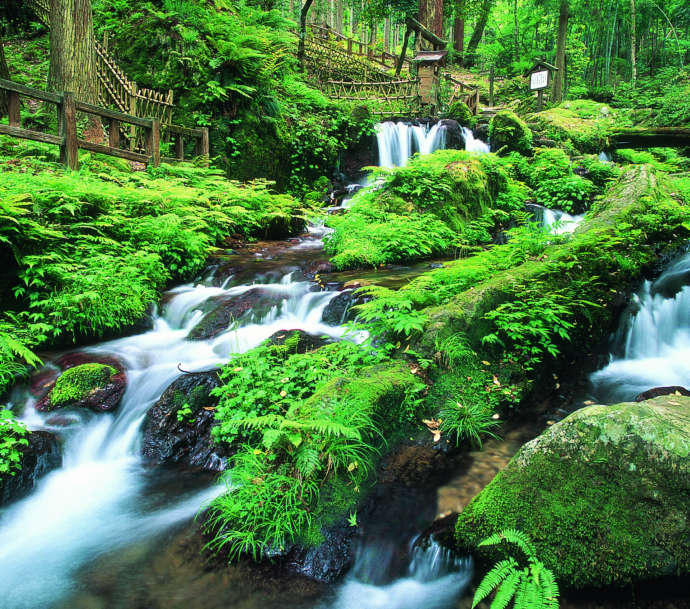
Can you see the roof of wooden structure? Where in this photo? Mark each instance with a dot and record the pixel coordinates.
(541, 65)
(430, 57)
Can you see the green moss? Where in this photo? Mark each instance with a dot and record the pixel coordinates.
(460, 112)
(74, 384)
(603, 495)
(508, 131)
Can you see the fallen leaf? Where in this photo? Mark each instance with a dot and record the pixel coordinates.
(209, 407)
(486, 363)
(495, 416)
(283, 393)
(496, 381)
(238, 369)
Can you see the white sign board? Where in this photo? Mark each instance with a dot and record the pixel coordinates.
(539, 80)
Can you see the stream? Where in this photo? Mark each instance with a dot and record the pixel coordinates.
(106, 530)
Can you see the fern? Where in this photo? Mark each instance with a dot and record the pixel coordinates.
(531, 587)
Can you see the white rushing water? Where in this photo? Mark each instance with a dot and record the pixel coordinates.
(474, 144)
(435, 579)
(397, 142)
(555, 221)
(98, 501)
(652, 347)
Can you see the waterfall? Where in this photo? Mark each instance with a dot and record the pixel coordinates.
(652, 346)
(435, 579)
(397, 142)
(555, 221)
(472, 144)
(104, 497)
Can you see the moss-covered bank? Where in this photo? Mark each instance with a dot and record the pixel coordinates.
(603, 494)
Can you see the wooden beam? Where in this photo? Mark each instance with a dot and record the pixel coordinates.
(426, 33)
(112, 114)
(47, 96)
(28, 134)
(116, 152)
(654, 137)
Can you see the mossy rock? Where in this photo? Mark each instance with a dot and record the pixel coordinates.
(461, 112)
(509, 132)
(603, 494)
(93, 385)
(582, 125)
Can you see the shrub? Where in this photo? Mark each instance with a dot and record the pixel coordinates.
(571, 194)
(12, 437)
(460, 112)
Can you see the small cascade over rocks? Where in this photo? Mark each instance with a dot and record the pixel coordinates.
(473, 144)
(397, 142)
(555, 221)
(652, 345)
(434, 579)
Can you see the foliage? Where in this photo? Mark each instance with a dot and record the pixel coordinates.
(460, 112)
(571, 194)
(467, 422)
(91, 250)
(509, 132)
(12, 437)
(532, 587)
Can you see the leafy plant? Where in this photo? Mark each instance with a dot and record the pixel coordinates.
(532, 587)
(467, 422)
(13, 435)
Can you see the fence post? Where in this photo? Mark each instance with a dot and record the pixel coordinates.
(202, 143)
(114, 133)
(13, 109)
(69, 150)
(179, 147)
(153, 142)
(133, 112)
(491, 86)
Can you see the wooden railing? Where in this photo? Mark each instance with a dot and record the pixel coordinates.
(464, 92)
(355, 47)
(391, 98)
(114, 88)
(69, 142)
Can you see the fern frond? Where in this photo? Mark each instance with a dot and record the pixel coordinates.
(549, 588)
(520, 539)
(506, 591)
(493, 578)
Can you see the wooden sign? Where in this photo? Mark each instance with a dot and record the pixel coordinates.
(539, 80)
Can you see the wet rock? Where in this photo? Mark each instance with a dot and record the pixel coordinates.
(481, 132)
(252, 304)
(659, 391)
(40, 457)
(336, 311)
(185, 439)
(299, 340)
(328, 561)
(85, 381)
(454, 137)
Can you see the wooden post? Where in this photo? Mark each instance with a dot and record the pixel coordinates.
(13, 109)
(349, 46)
(179, 147)
(540, 99)
(133, 112)
(114, 133)
(491, 86)
(69, 150)
(202, 143)
(153, 142)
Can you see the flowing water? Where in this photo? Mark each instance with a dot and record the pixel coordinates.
(105, 499)
(652, 345)
(556, 221)
(474, 144)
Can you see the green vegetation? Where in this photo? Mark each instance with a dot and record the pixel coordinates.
(602, 494)
(309, 436)
(508, 132)
(76, 383)
(12, 437)
(532, 587)
(90, 251)
(460, 112)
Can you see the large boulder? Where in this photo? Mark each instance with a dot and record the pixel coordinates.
(177, 428)
(603, 494)
(94, 383)
(454, 136)
(39, 457)
(507, 131)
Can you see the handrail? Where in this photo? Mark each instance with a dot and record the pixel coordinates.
(70, 143)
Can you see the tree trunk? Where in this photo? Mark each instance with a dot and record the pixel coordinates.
(72, 50)
(303, 31)
(431, 15)
(4, 73)
(559, 76)
(403, 51)
(478, 31)
(387, 35)
(339, 11)
(459, 36)
(516, 32)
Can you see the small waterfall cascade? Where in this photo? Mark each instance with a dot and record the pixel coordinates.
(652, 345)
(555, 221)
(397, 142)
(435, 578)
(473, 144)
(604, 157)
(104, 497)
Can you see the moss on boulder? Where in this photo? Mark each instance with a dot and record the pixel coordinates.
(92, 385)
(603, 494)
(509, 132)
(460, 111)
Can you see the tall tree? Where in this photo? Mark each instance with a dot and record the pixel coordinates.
(303, 31)
(431, 15)
(484, 12)
(4, 73)
(633, 42)
(559, 76)
(72, 49)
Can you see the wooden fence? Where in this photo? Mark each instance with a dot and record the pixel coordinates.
(391, 98)
(69, 142)
(114, 88)
(464, 92)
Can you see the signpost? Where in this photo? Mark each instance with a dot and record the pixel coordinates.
(539, 79)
